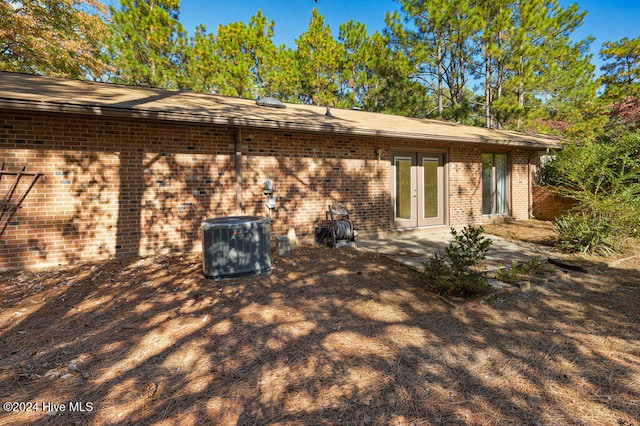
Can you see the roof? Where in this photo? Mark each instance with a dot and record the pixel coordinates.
(49, 94)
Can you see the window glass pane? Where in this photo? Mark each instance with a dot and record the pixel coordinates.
(430, 187)
(403, 188)
(487, 193)
(501, 183)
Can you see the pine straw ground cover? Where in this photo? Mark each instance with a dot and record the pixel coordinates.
(329, 337)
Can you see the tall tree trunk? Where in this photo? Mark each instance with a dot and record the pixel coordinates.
(487, 88)
(498, 123)
(521, 91)
(440, 103)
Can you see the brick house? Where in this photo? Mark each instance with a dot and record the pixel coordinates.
(134, 171)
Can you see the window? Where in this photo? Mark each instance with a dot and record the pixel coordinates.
(494, 184)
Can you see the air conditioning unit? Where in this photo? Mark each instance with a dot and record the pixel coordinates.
(236, 246)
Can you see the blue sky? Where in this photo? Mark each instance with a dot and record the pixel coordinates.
(607, 20)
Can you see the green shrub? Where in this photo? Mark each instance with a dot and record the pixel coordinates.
(547, 173)
(533, 265)
(468, 248)
(603, 177)
(454, 270)
(581, 232)
(438, 268)
(510, 275)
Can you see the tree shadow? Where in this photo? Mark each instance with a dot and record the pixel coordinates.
(329, 336)
(336, 336)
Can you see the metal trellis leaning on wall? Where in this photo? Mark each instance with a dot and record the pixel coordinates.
(13, 199)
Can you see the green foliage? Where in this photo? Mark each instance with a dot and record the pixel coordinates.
(468, 248)
(621, 71)
(242, 51)
(547, 173)
(533, 265)
(581, 232)
(318, 56)
(454, 270)
(466, 285)
(438, 38)
(603, 177)
(202, 69)
(147, 43)
(241, 60)
(373, 76)
(523, 53)
(510, 275)
(281, 76)
(421, 65)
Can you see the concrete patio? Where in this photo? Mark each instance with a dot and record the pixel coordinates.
(414, 249)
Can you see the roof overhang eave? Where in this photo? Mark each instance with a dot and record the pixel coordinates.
(141, 114)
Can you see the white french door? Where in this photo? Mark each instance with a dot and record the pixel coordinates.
(418, 189)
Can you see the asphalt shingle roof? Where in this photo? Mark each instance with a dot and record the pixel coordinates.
(48, 94)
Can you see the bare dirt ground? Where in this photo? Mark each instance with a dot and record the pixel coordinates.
(529, 231)
(542, 233)
(328, 337)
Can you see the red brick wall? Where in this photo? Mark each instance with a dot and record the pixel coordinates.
(547, 205)
(465, 184)
(112, 187)
(522, 169)
(308, 174)
(119, 187)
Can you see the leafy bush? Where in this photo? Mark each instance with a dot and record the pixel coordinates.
(547, 173)
(603, 177)
(580, 232)
(468, 248)
(510, 275)
(454, 270)
(533, 265)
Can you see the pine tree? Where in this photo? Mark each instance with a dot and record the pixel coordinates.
(439, 39)
(318, 57)
(493, 39)
(561, 75)
(621, 71)
(242, 50)
(405, 90)
(147, 43)
(241, 60)
(521, 51)
(201, 68)
(280, 75)
(375, 77)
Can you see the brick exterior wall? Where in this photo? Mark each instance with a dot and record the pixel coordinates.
(122, 187)
(547, 205)
(522, 175)
(465, 184)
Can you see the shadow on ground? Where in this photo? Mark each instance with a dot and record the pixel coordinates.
(330, 336)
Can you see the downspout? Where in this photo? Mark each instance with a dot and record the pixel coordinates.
(238, 140)
(530, 185)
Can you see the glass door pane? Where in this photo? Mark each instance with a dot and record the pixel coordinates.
(403, 210)
(417, 189)
(430, 186)
(501, 183)
(487, 184)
